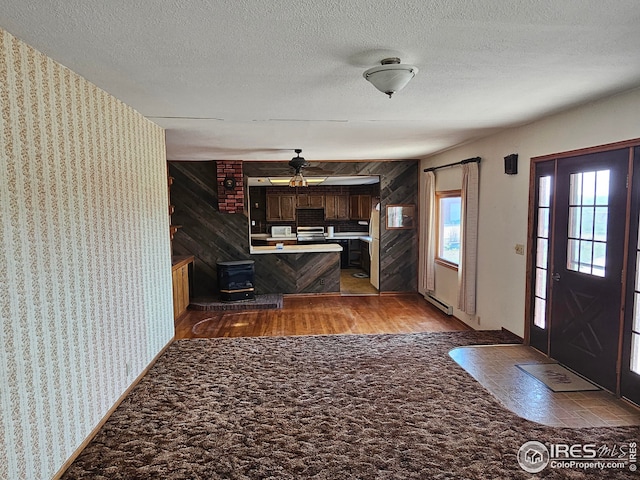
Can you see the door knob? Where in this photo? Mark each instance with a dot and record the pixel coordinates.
(556, 277)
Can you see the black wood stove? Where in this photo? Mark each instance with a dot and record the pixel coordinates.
(236, 280)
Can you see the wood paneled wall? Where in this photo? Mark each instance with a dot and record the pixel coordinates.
(213, 236)
(206, 233)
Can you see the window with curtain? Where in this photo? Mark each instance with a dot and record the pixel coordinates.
(448, 206)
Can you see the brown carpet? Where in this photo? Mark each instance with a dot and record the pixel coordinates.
(322, 407)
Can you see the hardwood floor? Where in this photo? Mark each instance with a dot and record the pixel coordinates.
(322, 315)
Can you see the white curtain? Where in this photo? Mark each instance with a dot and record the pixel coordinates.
(427, 243)
(468, 239)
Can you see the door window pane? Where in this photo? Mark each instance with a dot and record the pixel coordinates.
(600, 220)
(587, 225)
(542, 253)
(586, 257)
(544, 192)
(573, 255)
(635, 353)
(541, 283)
(588, 188)
(575, 189)
(599, 258)
(602, 187)
(574, 222)
(636, 313)
(543, 222)
(539, 314)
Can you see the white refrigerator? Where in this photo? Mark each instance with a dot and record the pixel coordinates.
(374, 246)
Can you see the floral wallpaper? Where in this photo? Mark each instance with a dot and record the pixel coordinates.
(85, 270)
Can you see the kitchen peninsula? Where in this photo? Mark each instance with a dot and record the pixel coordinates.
(311, 267)
(298, 268)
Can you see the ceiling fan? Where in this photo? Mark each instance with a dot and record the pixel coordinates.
(293, 174)
(296, 165)
(298, 162)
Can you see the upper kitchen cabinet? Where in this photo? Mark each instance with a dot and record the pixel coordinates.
(281, 208)
(360, 207)
(336, 207)
(310, 201)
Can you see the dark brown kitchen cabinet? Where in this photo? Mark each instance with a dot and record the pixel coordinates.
(336, 207)
(359, 207)
(310, 201)
(281, 208)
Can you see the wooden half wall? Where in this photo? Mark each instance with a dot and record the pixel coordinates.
(212, 236)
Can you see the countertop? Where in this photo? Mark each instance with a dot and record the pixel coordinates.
(337, 236)
(312, 248)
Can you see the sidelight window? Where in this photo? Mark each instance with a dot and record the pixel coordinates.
(635, 326)
(588, 218)
(542, 252)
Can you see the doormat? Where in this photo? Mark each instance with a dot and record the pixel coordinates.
(360, 275)
(261, 302)
(557, 378)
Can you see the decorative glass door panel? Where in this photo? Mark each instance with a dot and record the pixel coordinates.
(634, 361)
(542, 252)
(587, 263)
(542, 215)
(588, 217)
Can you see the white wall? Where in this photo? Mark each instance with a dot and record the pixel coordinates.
(504, 199)
(85, 271)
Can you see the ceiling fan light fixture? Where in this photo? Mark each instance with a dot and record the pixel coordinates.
(298, 180)
(391, 76)
(298, 163)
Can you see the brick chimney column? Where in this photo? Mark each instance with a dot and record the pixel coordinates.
(230, 200)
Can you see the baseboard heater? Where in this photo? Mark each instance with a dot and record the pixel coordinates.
(448, 309)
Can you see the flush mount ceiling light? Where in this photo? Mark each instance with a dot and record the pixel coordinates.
(391, 76)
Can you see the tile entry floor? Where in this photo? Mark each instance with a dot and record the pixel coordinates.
(350, 285)
(494, 366)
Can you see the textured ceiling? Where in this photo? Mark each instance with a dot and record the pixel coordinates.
(252, 80)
